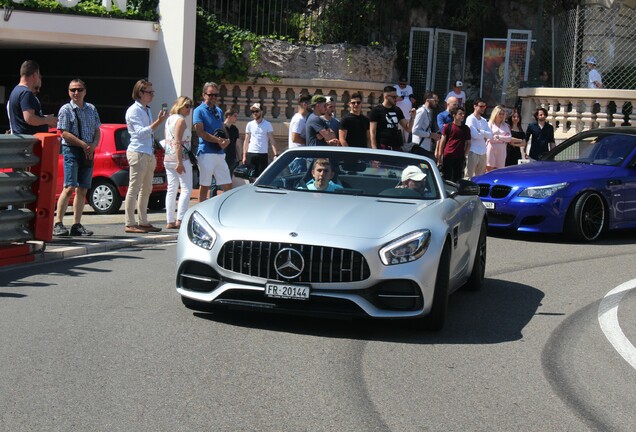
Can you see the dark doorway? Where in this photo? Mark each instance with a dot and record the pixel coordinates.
(109, 75)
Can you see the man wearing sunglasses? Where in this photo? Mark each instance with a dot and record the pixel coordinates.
(78, 121)
(354, 127)
(208, 118)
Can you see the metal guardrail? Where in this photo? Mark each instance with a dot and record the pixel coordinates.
(16, 155)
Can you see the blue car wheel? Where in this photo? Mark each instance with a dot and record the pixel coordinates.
(586, 218)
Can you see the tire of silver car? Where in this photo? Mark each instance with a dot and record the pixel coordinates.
(476, 279)
(434, 321)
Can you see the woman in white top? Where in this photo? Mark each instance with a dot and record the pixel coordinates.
(178, 138)
(496, 146)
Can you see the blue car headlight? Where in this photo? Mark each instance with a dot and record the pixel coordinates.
(540, 192)
(200, 232)
(406, 248)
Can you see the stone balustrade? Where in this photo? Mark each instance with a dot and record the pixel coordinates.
(572, 110)
(279, 99)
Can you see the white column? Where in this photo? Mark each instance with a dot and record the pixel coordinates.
(171, 60)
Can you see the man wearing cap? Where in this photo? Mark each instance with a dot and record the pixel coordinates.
(594, 79)
(413, 181)
(208, 118)
(404, 90)
(384, 120)
(317, 130)
(457, 93)
(258, 134)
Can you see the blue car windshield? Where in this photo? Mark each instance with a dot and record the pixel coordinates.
(351, 173)
(601, 149)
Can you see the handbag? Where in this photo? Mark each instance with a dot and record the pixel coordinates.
(191, 155)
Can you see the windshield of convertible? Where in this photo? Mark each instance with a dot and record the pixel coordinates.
(351, 173)
(601, 149)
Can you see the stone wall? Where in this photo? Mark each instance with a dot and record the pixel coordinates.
(341, 61)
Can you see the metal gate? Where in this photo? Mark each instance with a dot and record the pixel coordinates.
(437, 58)
(516, 65)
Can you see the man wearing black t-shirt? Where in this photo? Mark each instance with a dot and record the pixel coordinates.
(25, 112)
(384, 120)
(354, 127)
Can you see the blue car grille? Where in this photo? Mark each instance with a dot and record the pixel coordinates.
(321, 264)
(494, 192)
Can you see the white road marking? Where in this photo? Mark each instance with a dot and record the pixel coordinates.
(608, 319)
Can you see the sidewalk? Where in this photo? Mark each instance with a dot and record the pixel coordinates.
(108, 235)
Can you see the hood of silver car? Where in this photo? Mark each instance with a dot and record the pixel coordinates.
(316, 213)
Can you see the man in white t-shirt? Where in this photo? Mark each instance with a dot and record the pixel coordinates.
(297, 123)
(258, 134)
(404, 90)
(457, 93)
(594, 76)
(479, 133)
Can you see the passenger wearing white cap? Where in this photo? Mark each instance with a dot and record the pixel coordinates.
(594, 79)
(258, 134)
(413, 179)
(457, 93)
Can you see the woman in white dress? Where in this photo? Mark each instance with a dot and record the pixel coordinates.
(178, 138)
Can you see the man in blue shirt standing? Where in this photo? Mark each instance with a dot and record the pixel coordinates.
(207, 119)
(24, 109)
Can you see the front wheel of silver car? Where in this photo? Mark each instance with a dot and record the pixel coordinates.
(476, 279)
(435, 319)
(586, 218)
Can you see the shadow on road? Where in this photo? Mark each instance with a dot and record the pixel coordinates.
(611, 238)
(497, 314)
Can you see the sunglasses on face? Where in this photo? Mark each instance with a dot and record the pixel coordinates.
(187, 106)
(151, 92)
(75, 90)
(355, 102)
(255, 111)
(212, 94)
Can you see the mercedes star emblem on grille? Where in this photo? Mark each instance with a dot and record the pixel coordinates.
(289, 263)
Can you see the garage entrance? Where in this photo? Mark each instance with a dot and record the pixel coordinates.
(109, 75)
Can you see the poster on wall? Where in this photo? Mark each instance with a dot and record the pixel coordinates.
(493, 71)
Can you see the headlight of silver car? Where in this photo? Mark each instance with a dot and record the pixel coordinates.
(200, 232)
(406, 248)
(541, 192)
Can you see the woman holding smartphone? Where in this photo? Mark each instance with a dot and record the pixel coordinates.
(178, 167)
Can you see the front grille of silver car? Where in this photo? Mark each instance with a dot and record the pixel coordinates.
(321, 264)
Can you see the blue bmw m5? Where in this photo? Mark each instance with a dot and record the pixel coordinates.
(581, 188)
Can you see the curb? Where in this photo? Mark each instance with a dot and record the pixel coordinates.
(59, 253)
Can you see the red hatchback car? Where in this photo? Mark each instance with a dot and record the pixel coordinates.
(110, 172)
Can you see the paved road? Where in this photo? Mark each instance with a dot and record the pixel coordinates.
(103, 343)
